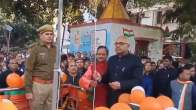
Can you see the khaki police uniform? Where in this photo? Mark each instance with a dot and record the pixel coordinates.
(39, 73)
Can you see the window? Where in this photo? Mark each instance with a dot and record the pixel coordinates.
(159, 17)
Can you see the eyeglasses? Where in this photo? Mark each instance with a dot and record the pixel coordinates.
(101, 54)
(120, 43)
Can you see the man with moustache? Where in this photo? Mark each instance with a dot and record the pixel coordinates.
(39, 70)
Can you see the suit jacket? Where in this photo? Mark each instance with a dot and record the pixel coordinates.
(127, 70)
(162, 79)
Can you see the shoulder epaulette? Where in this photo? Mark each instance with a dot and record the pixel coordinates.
(33, 45)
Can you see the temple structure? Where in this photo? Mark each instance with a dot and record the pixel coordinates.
(114, 21)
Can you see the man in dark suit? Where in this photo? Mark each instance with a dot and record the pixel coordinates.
(124, 70)
(163, 77)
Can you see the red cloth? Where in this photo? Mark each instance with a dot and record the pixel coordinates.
(101, 89)
(101, 95)
(101, 67)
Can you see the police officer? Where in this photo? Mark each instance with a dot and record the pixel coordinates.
(39, 70)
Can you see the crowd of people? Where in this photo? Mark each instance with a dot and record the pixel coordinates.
(9, 64)
(111, 76)
(157, 78)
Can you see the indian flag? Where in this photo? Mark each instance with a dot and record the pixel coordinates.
(130, 35)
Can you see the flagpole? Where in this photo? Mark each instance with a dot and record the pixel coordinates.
(95, 48)
(56, 83)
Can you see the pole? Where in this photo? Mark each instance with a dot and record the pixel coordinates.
(8, 44)
(95, 48)
(62, 42)
(56, 83)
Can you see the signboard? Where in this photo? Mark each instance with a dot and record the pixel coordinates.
(98, 38)
(88, 41)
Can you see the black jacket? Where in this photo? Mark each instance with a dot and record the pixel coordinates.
(73, 80)
(193, 79)
(162, 79)
(4, 75)
(127, 70)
